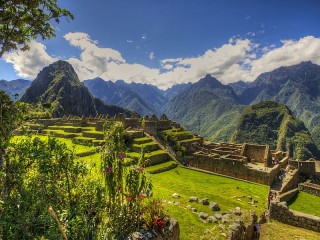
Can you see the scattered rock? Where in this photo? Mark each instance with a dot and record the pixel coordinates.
(189, 207)
(212, 219)
(204, 201)
(238, 211)
(175, 195)
(170, 202)
(250, 197)
(225, 220)
(203, 215)
(177, 203)
(193, 199)
(217, 216)
(137, 235)
(214, 206)
(194, 210)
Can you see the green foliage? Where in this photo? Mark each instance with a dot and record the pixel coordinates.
(125, 187)
(21, 21)
(11, 114)
(42, 179)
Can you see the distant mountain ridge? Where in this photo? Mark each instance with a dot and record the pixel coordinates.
(59, 87)
(15, 88)
(207, 107)
(145, 99)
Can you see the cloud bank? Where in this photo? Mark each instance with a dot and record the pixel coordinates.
(239, 59)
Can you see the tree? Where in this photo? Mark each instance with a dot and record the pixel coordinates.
(11, 114)
(23, 20)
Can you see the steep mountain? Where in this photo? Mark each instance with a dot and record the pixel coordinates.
(206, 107)
(272, 123)
(122, 94)
(14, 87)
(240, 86)
(151, 94)
(296, 86)
(176, 89)
(59, 87)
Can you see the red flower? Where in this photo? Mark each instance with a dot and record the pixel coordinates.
(158, 223)
(108, 169)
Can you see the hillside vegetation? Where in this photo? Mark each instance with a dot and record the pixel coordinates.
(272, 123)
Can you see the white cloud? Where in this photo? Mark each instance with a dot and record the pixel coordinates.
(290, 53)
(27, 64)
(239, 59)
(151, 55)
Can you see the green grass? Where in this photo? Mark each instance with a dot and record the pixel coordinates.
(228, 193)
(145, 144)
(160, 165)
(160, 151)
(278, 230)
(189, 140)
(306, 203)
(141, 140)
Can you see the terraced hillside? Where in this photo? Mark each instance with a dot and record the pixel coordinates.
(91, 137)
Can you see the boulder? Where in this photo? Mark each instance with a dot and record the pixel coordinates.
(212, 219)
(194, 210)
(175, 195)
(214, 206)
(203, 215)
(238, 211)
(218, 216)
(193, 199)
(204, 201)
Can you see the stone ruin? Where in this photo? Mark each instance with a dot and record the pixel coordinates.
(245, 161)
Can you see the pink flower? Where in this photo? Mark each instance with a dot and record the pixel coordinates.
(121, 156)
(108, 169)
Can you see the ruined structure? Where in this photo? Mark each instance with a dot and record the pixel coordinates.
(255, 163)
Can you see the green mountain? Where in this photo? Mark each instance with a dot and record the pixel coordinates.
(272, 123)
(15, 88)
(297, 86)
(59, 87)
(206, 107)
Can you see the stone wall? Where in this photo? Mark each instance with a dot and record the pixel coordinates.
(281, 213)
(239, 231)
(287, 196)
(305, 167)
(257, 153)
(311, 188)
(231, 167)
(291, 181)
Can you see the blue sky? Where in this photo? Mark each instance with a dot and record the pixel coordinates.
(173, 41)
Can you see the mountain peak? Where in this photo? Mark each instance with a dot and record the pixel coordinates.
(210, 81)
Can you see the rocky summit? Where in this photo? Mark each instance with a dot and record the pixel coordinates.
(59, 87)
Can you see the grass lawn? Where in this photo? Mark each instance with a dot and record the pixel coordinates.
(278, 230)
(306, 203)
(228, 193)
(77, 148)
(160, 165)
